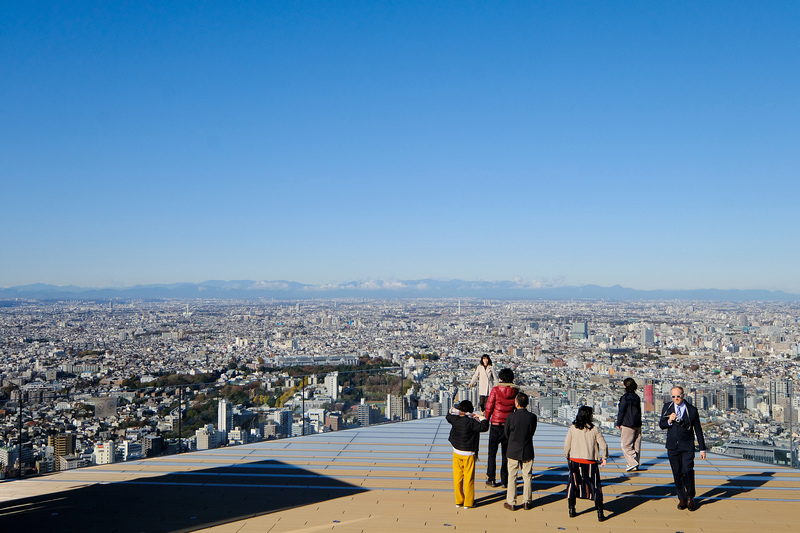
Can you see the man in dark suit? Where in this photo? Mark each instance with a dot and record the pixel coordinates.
(519, 429)
(682, 422)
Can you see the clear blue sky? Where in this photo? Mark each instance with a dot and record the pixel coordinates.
(649, 144)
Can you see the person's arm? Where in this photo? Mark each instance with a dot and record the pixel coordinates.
(698, 431)
(495, 380)
(623, 406)
(568, 443)
(664, 422)
(475, 376)
(601, 443)
(490, 405)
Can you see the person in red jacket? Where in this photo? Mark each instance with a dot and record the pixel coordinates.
(498, 406)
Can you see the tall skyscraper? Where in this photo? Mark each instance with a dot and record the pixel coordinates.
(224, 416)
(332, 385)
(394, 407)
(446, 400)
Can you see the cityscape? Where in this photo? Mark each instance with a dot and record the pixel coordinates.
(95, 382)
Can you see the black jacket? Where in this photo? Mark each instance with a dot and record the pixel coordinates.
(520, 427)
(630, 411)
(681, 434)
(465, 435)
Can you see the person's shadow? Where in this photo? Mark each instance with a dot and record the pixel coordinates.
(735, 486)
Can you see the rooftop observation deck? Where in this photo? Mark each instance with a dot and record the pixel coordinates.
(393, 477)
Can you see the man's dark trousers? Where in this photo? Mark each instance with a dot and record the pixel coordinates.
(682, 463)
(497, 436)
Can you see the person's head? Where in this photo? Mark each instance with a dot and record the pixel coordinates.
(521, 400)
(630, 385)
(486, 360)
(583, 420)
(466, 406)
(506, 375)
(677, 395)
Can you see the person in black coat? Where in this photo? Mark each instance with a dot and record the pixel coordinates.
(682, 422)
(519, 429)
(629, 423)
(465, 438)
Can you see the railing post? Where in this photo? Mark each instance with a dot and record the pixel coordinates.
(180, 418)
(19, 444)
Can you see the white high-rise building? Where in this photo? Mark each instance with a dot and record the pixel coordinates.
(104, 452)
(394, 407)
(332, 385)
(224, 416)
(446, 399)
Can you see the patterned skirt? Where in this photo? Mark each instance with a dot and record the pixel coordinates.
(584, 481)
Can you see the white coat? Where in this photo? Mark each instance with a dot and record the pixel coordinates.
(486, 378)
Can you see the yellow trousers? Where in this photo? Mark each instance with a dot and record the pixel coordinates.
(464, 479)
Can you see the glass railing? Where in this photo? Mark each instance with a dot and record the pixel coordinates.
(46, 429)
(753, 425)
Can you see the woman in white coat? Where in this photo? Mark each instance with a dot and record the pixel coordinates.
(486, 378)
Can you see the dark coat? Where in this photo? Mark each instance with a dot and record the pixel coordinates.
(682, 433)
(630, 411)
(520, 427)
(465, 435)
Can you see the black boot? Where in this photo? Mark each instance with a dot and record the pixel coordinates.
(600, 515)
(572, 513)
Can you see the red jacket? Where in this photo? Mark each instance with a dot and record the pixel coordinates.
(500, 402)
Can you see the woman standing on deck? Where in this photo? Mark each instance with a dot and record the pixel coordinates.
(486, 378)
(629, 423)
(585, 449)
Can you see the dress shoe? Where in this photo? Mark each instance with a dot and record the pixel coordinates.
(527, 506)
(690, 504)
(509, 506)
(491, 483)
(681, 504)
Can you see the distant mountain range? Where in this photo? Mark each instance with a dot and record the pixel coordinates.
(381, 289)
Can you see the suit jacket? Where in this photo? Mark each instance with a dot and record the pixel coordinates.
(682, 433)
(520, 427)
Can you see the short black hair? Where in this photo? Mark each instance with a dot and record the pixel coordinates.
(522, 400)
(630, 385)
(466, 406)
(506, 375)
(584, 418)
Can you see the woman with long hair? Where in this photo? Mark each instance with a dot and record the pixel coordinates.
(629, 423)
(486, 378)
(585, 449)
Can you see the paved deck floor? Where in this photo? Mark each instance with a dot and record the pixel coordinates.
(393, 477)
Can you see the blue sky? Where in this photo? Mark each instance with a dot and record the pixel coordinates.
(649, 144)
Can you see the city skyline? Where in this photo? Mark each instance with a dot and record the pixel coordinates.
(652, 147)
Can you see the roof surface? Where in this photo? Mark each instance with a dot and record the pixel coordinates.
(392, 477)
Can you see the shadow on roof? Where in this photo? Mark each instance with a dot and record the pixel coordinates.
(181, 501)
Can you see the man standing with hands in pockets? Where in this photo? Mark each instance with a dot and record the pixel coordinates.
(682, 422)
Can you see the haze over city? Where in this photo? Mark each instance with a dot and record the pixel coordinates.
(648, 145)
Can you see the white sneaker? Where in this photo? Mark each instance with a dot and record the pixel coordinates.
(634, 467)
